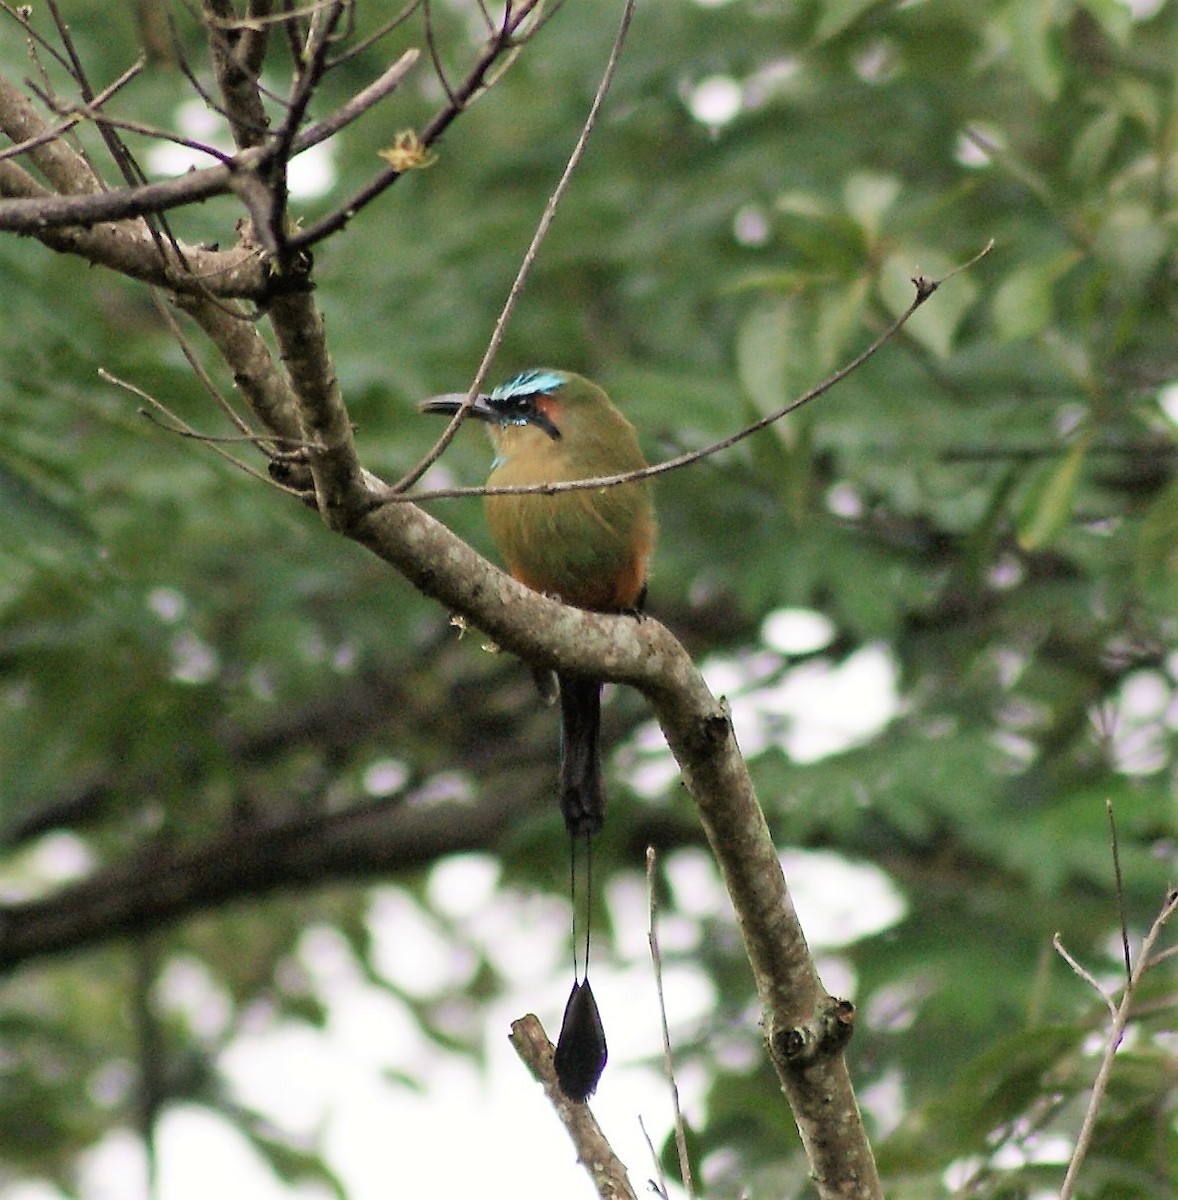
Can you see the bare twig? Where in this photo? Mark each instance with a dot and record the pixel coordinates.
(519, 37)
(1085, 975)
(371, 39)
(1157, 960)
(471, 86)
(22, 15)
(656, 959)
(256, 22)
(1116, 1033)
(924, 289)
(435, 57)
(1120, 887)
(177, 425)
(529, 258)
(77, 113)
(118, 151)
(485, 12)
(363, 100)
(660, 1187)
(314, 63)
(198, 368)
(133, 175)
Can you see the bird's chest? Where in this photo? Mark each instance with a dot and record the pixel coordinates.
(575, 545)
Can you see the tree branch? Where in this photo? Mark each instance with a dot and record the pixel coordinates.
(164, 883)
(924, 290)
(594, 1152)
(457, 102)
(529, 258)
(1116, 1032)
(804, 1027)
(77, 217)
(699, 732)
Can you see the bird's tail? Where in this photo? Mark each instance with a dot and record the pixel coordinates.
(582, 796)
(580, 1052)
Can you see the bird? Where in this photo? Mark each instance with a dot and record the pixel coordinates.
(590, 548)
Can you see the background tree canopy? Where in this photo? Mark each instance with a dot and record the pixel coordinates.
(976, 533)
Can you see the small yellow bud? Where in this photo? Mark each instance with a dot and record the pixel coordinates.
(407, 153)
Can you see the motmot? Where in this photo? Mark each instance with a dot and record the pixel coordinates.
(590, 548)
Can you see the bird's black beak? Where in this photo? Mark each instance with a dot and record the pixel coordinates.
(453, 401)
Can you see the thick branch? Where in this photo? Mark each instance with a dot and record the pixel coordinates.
(55, 158)
(237, 54)
(699, 733)
(125, 246)
(164, 883)
(798, 1013)
(255, 373)
(298, 326)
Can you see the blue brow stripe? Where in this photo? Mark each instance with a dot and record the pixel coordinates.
(528, 384)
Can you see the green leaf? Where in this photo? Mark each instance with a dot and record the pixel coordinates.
(42, 518)
(1035, 44)
(1091, 149)
(837, 15)
(1133, 242)
(1156, 550)
(1024, 304)
(868, 197)
(1048, 507)
(768, 339)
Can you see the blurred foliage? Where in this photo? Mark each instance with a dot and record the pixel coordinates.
(992, 500)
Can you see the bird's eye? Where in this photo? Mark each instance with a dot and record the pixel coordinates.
(516, 408)
(521, 409)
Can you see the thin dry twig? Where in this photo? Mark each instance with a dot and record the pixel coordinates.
(198, 368)
(258, 22)
(1164, 956)
(118, 151)
(1084, 974)
(128, 166)
(656, 959)
(358, 48)
(924, 289)
(173, 423)
(1121, 1014)
(435, 57)
(474, 83)
(1120, 887)
(486, 15)
(75, 114)
(22, 15)
(659, 1187)
(529, 258)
